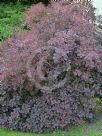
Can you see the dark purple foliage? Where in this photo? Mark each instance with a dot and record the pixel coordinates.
(50, 77)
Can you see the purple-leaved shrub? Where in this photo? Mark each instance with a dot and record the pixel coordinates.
(51, 76)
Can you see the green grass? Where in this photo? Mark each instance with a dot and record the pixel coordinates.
(11, 16)
(94, 129)
(76, 132)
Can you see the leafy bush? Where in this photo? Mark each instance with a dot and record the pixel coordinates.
(25, 1)
(51, 76)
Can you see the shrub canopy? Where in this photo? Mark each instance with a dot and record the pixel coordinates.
(51, 76)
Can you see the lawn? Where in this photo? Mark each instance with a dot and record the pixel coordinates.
(94, 129)
(78, 131)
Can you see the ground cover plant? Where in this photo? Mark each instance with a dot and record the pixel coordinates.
(51, 76)
(11, 16)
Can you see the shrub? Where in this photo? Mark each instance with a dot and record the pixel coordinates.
(25, 1)
(51, 76)
(10, 16)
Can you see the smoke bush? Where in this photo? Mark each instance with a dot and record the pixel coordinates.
(50, 77)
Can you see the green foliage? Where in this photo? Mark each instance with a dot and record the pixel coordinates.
(77, 131)
(11, 15)
(22, 1)
(99, 105)
(94, 129)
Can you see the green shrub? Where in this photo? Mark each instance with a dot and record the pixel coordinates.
(11, 15)
(14, 1)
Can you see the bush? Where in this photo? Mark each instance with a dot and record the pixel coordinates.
(51, 76)
(25, 1)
